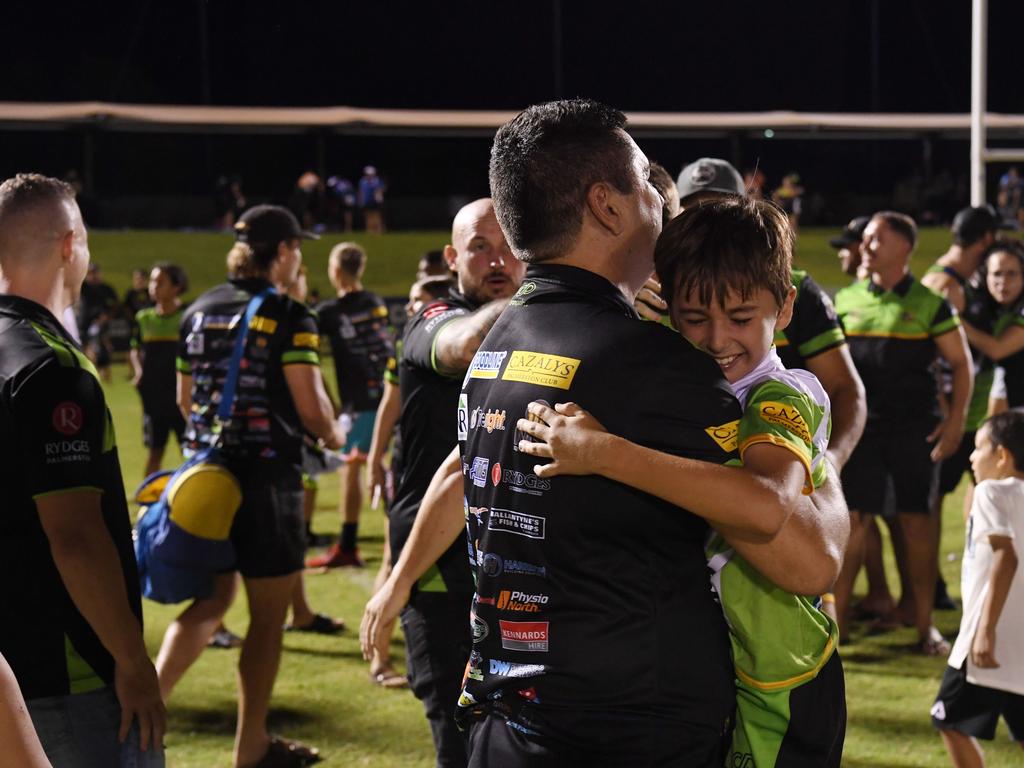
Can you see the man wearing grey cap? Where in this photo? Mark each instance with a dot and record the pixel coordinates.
(708, 178)
(280, 396)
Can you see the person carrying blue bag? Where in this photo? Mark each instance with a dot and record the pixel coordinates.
(277, 395)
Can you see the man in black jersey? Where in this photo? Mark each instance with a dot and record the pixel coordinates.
(279, 394)
(70, 609)
(355, 323)
(438, 345)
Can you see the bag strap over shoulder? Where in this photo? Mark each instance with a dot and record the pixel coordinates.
(227, 397)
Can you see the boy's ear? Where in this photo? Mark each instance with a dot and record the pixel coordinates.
(1004, 459)
(786, 312)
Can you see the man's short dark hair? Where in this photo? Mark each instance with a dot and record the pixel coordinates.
(436, 287)
(175, 273)
(543, 163)
(26, 190)
(351, 258)
(1006, 429)
(901, 224)
(733, 243)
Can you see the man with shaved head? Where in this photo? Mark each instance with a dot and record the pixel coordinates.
(70, 612)
(439, 344)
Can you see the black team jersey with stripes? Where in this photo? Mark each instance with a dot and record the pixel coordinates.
(264, 423)
(56, 435)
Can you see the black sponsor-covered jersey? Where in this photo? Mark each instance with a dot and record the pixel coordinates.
(593, 600)
(264, 422)
(814, 329)
(56, 435)
(356, 325)
(427, 425)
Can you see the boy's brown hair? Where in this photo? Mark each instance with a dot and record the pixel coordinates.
(734, 243)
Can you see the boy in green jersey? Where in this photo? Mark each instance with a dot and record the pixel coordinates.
(727, 269)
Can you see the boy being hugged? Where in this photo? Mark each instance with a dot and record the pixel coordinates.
(726, 268)
(984, 676)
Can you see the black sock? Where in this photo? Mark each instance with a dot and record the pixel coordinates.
(348, 536)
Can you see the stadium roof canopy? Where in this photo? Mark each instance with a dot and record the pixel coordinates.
(353, 120)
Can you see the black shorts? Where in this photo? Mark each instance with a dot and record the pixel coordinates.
(892, 458)
(158, 421)
(268, 532)
(973, 709)
(953, 468)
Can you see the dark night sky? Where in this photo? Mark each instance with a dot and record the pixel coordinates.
(637, 55)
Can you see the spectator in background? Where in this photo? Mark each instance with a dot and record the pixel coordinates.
(789, 197)
(355, 324)
(708, 177)
(230, 201)
(662, 182)
(753, 182)
(153, 352)
(341, 200)
(137, 297)
(432, 264)
(306, 201)
(847, 243)
(1009, 196)
(96, 306)
(371, 200)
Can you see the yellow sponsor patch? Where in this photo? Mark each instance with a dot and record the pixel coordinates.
(306, 340)
(263, 324)
(542, 369)
(725, 435)
(379, 312)
(787, 417)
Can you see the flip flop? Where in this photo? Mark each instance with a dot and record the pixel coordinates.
(388, 677)
(285, 753)
(321, 625)
(224, 638)
(934, 645)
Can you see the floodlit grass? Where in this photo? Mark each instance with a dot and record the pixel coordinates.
(323, 695)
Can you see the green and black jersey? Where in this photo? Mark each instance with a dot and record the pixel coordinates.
(56, 436)
(156, 337)
(814, 328)
(892, 341)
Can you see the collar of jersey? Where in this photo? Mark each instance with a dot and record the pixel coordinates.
(901, 289)
(19, 306)
(562, 278)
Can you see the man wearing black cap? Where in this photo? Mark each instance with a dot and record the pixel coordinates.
(279, 395)
(974, 231)
(848, 246)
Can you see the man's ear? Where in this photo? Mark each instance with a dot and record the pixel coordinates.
(786, 313)
(604, 204)
(450, 256)
(67, 246)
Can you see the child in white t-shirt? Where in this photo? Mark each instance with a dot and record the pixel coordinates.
(985, 674)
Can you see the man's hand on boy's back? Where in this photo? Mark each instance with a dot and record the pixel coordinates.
(648, 303)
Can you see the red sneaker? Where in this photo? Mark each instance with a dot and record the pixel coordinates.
(336, 557)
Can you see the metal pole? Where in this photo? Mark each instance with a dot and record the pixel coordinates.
(556, 47)
(979, 59)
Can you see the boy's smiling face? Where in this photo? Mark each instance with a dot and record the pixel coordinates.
(738, 331)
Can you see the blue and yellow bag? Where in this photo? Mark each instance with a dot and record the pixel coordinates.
(182, 533)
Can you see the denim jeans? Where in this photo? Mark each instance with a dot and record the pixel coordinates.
(80, 731)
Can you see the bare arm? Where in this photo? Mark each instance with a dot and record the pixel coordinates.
(184, 396)
(306, 386)
(388, 412)
(1008, 343)
(796, 541)
(806, 555)
(1004, 566)
(18, 737)
(91, 571)
(438, 523)
(837, 374)
(947, 436)
(459, 340)
(135, 359)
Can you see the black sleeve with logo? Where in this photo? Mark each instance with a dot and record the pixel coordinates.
(815, 327)
(428, 428)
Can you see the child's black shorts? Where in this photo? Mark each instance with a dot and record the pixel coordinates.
(973, 709)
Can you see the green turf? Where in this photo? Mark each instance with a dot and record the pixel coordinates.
(323, 695)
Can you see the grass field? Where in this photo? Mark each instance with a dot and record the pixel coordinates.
(323, 695)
